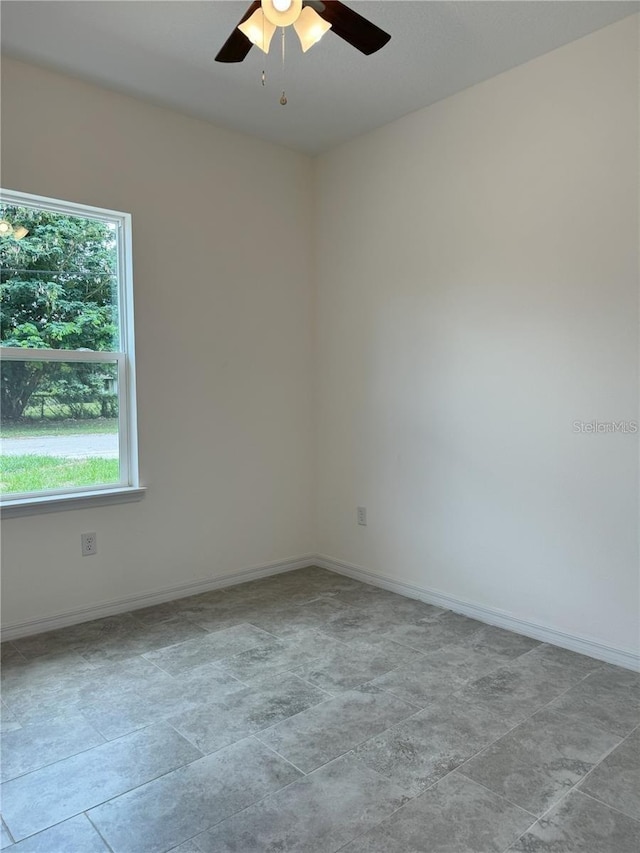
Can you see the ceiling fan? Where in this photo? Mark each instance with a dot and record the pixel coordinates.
(310, 18)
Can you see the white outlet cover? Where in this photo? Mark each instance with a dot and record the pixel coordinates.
(89, 543)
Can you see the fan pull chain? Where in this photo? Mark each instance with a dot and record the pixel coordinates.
(264, 76)
(283, 97)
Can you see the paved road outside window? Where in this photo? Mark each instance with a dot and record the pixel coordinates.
(100, 445)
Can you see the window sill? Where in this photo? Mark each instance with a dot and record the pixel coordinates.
(77, 500)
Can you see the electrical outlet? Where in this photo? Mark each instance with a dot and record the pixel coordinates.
(89, 542)
(362, 515)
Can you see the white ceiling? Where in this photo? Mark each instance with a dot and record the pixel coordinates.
(164, 51)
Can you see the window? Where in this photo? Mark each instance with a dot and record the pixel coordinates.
(67, 392)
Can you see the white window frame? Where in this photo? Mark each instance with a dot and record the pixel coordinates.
(128, 488)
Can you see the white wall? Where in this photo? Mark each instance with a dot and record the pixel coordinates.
(478, 292)
(223, 343)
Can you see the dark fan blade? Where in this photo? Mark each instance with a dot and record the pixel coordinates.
(350, 26)
(237, 46)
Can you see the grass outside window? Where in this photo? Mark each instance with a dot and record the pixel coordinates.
(32, 473)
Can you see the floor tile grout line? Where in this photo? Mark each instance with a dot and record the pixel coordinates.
(596, 725)
(522, 835)
(519, 723)
(175, 676)
(388, 817)
(528, 720)
(104, 840)
(191, 840)
(482, 749)
(504, 734)
(499, 664)
(81, 709)
(46, 829)
(608, 805)
(598, 664)
(329, 698)
(475, 754)
(82, 752)
(495, 793)
(135, 788)
(203, 753)
(346, 751)
(9, 833)
(545, 814)
(24, 723)
(255, 803)
(541, 707)
(143, 655)
(395, 695)
(332, 759)
(311, 684)
(64, 758)
(569, 716)
(573, 790)
(409, 701)
(595, 767)
(318, 630)
(411, 798)
(278, 672)
(315, 770)
(17, 650)
(255, 736)
(167, 720)
(57, 761)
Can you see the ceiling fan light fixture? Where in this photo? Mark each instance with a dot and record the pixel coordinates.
(259, 30)
(343, 21)
(281, 13)
(310, 28)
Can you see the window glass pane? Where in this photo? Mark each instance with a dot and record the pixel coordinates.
(59, 282)
(65, 430)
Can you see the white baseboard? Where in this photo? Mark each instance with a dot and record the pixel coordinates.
(583, 645)
(134, 602)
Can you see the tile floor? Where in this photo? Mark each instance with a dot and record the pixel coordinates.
(310, 713)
